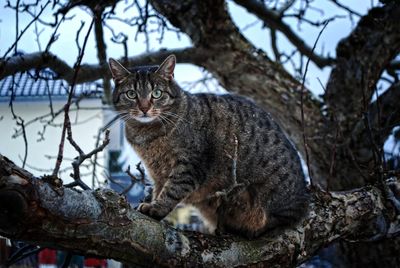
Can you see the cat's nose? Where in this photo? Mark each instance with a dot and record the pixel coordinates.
(145, 109)
(144, 106)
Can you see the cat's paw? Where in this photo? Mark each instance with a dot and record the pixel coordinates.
(153, 210)
(144, 208)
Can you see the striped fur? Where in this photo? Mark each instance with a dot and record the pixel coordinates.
(188, 145)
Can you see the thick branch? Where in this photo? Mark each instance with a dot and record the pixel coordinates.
(101, 223)
(383, 115)
(88, 72)
(361, 59)
(101, 51)
(274, 21)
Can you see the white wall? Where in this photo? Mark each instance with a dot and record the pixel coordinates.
(86, 123)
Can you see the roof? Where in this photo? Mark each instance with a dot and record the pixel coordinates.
(38, 86)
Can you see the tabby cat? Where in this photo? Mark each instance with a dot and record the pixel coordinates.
(221, 153)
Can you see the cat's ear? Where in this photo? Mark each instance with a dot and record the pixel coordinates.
(118, 71)
(166, 68)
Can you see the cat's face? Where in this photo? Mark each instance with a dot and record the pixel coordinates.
(144, 95)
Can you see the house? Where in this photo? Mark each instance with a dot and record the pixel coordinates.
(38, 99)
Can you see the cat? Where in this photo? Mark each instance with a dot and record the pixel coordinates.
(221, 153)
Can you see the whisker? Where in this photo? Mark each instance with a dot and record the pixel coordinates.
(120, 115)
(162, 122)
(124, 116)
(176, 116)
(168, 121)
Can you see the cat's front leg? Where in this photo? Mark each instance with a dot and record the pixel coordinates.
(177, 188)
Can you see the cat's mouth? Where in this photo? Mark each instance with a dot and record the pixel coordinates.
(144, 118)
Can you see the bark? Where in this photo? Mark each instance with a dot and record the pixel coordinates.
(102, 223)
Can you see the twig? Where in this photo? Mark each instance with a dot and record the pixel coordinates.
(26, 28)
(274, 20)
(82, 157)
(69, 136)
(68, 104)
(140, 168)
(101, 130)
(302, 106)
(22, 254)
(78, 33)
(16, 27)
(352, 12)
(110, 178)
(19, 121)
(274, 46)
(37, 34)
(49, 170)
(18, 253)
(134, 179)
(54, 37)
(50, 122)
(249, 25)
(233, 184)
(50, 99)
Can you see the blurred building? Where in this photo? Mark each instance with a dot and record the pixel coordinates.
(34, 102)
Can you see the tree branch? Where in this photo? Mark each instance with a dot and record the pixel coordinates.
(101, 51)
(384, 115)
(274, 21)
(89, 72)
(102, 223)
(349, 10)
(361, 59)
(386, 111)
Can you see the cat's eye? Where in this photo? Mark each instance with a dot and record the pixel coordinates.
(131, 94)
(156, 94)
